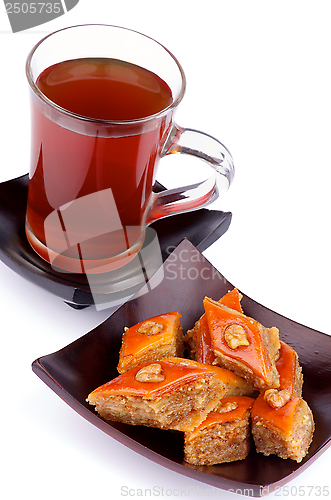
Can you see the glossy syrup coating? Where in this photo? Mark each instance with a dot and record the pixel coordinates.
(281, 418)
(232, 300)
(201, 336)
(176, 372)
(233, 383)
(152, 339)
(229, 409)
(203, 348)
(250, 350)
(290, 373)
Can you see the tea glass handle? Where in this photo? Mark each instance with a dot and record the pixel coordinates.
(200, 194)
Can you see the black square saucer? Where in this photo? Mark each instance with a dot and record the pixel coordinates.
(202, 227)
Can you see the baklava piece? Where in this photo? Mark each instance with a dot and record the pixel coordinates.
(198, 339)
(169, 394)
(233, 384)
(198, 342)
(232, 300)
(290, 378)
(151, 340)
(243, 345)
(286, 431)
(224, 436)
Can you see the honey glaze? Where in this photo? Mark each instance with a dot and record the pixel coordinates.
(176, 373)
(286, 366)
(222, 374)
(232, 300)
(241, 405)
(254, 355)
(281, 418)
(137, 338)
(204, 350)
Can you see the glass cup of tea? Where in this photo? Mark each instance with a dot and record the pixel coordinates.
(102, 104)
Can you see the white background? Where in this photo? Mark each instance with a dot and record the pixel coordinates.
(259, 79)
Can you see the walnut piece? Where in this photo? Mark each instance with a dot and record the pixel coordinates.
(150, 373)
(235, 336)
(225, 408)
(150, 328)
(277, 399)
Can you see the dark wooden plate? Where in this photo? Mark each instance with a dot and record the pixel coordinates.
(180, 284)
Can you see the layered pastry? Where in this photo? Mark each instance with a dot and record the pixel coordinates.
(198, 340)
(290, 378)
(153, 339)
(233, 384)
(286, 431)
(243, 345)
(224, 436)
(290, 371)
(169, 394)
(208, 397)
(232, 300)
(282, 422)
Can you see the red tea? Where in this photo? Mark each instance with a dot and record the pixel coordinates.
(105, 89)
(68, 165)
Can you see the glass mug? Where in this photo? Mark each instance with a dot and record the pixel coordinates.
(95, 148)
